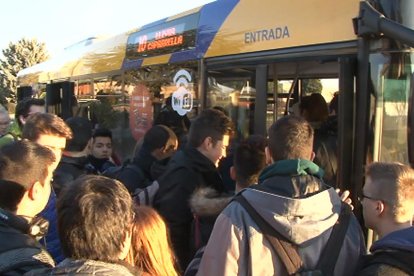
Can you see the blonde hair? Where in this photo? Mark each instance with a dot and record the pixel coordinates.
(150, 249)
(394, 184)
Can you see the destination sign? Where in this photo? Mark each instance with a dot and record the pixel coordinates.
(168, 37)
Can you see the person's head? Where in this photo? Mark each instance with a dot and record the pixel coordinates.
(47, 130)
(334, 104)
(248, 161)
(82, 133)
(4, 120)
(101, 146)
(210, 134)
(314, 108)
(387, 196)
(290, 137)
(27, 107)
(161, 141)
(94, 219)
(26, 170)
(150, 248)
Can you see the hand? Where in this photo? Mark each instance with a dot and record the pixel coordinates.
(345, 197)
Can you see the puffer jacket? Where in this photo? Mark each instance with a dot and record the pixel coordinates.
(206, 204)
(71, 267)
(296, 203)
(19, 252)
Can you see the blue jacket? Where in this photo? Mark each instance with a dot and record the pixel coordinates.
(51, 240)
(391, 255)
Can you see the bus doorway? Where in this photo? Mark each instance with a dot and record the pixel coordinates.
(256, 95)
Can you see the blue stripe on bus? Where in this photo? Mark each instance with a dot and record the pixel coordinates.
(208, 26)
(211, 18)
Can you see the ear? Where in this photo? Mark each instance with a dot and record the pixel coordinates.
(35, 190)
(207, 143)
(233, 173)
(22, 119)
(312, 156)
(269, 159)
(380, 207)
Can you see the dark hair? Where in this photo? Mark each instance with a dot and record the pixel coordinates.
(222, 109)
(22, 163)
(94, 216)
(102, 132)
(334, 104)
(249, 160)
(290, 137)
(159, 136)
(82, 133)
(23, 108)
(45, 123)
(315, 106)
(210, 123)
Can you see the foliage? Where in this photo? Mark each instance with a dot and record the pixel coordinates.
(311, 86)
(18, 56)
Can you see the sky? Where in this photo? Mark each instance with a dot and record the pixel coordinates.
(61, 23)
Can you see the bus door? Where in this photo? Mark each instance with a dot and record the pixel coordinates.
(256, 95)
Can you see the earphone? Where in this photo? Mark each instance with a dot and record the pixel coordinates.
(37, 228)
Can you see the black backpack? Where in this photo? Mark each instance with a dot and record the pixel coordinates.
(288, 252)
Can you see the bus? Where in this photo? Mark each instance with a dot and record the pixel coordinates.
(256, 59)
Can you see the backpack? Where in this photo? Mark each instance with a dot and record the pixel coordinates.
(146, 196)
(133, 178)
(288, 252)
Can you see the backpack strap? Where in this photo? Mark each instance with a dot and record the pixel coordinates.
(283, 247)
(330, 253)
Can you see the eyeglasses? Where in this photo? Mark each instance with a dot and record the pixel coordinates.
(362, 196)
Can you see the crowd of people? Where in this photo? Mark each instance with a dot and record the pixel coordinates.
(68, 207)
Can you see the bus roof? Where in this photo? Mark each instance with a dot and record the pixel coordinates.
(220, 28)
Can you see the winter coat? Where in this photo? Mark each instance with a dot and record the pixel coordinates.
(86, 267)
(206, 204)
(97, 165)
(296, 203)
(138, 177)
(187, 170)
(19, 252)
(51, 241)
(69, 169)
(391, 255)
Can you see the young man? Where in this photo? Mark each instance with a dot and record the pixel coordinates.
(26, 170)
(159, 144)
(24, 109)
(100, 151)
(191, 168)
(94, 218)
(52, 132)
(388, 208)
(294, 202)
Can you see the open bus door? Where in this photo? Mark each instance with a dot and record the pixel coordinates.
(384, 106)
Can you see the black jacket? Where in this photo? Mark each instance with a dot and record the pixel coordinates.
(20, 253)
(187, 170)
(69, 169)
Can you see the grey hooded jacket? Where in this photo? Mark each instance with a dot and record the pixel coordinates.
(237, 247)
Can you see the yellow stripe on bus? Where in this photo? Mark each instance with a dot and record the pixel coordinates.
(272, 24)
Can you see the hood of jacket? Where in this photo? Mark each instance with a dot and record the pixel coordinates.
(294, 200)
(206, 201)
(400, 240)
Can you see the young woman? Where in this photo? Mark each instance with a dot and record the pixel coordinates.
(150, 250)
